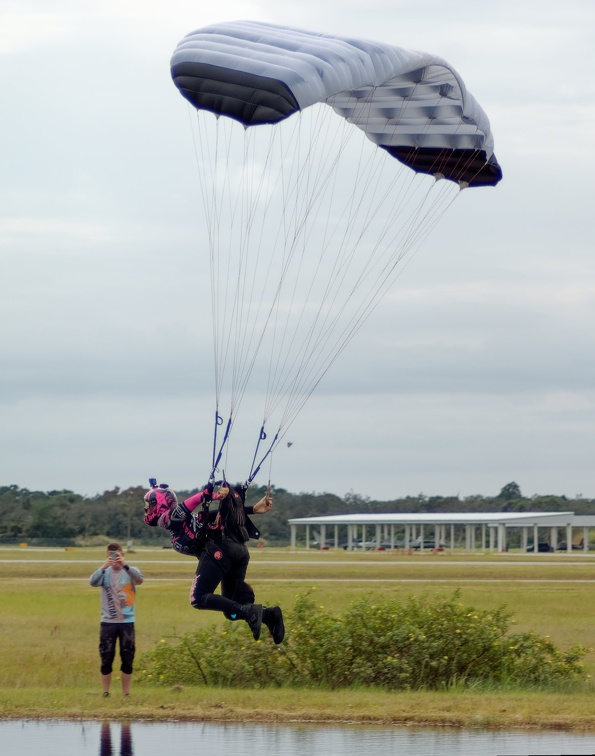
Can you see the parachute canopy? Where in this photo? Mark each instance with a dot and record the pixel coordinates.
(307, 223)
(412, 104)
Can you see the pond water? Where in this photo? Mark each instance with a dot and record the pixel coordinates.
(53, 738)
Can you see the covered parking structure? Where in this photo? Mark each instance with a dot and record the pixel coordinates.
(484, 530)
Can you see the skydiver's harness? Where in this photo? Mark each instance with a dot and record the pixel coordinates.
(189, 530)
(262, 436)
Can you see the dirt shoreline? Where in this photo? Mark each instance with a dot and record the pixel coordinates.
(486, 718)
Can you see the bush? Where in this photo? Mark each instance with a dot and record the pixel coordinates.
(424, 643)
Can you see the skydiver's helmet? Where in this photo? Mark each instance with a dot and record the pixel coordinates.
(159, 500)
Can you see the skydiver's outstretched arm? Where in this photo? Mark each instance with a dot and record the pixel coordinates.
(207, 493)
(264, 505)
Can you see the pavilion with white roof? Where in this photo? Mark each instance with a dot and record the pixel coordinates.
(381, 530)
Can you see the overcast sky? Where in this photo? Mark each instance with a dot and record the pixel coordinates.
(477, 370)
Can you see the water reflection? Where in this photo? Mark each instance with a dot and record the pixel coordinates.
(105, 743)
(34, 738)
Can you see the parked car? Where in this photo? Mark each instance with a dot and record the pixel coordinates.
(370, 545)
(428, 544)
(541, 547)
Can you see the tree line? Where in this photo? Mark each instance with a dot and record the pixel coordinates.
(67, 518)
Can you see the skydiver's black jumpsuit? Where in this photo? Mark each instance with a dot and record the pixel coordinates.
(225, 559)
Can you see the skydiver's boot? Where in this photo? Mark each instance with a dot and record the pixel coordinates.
(252, 613)
(273, 619)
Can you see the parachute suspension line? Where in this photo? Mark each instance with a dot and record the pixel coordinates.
(238, 334)
(442, 156)
(306, 352)
(301, 257)
(217, 455)
(209, 178)
(303, 393)
(291, 229)
(463, 183)
(256, 266)
(328, 175)
(262, 437)
(213, 156)
(255, 469)
(299, 399)
(332, 282)
(313, 355)
(250, 347)
(218, 198)
(226, 318)
(290, 250)
(461, 168)
(350, 213)
(236, 309)
(206, 173)
(227, 281)
(299, 317)
(234, 322)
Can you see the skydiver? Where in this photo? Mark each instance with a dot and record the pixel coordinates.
(218, 540)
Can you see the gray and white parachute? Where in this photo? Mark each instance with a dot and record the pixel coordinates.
(307, 223)
(413, 104)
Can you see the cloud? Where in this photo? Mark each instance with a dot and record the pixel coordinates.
(23, 30)
(477, 368)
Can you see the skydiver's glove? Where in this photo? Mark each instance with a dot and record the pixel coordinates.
(207, 492)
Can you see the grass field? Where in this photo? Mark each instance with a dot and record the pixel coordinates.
(50, 625)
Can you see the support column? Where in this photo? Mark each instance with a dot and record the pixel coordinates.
(322, 536)
(293, 536)
(554, 538)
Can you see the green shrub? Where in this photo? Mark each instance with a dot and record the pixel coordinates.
(423, 643)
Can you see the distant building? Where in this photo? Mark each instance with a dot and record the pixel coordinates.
(469, 530)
